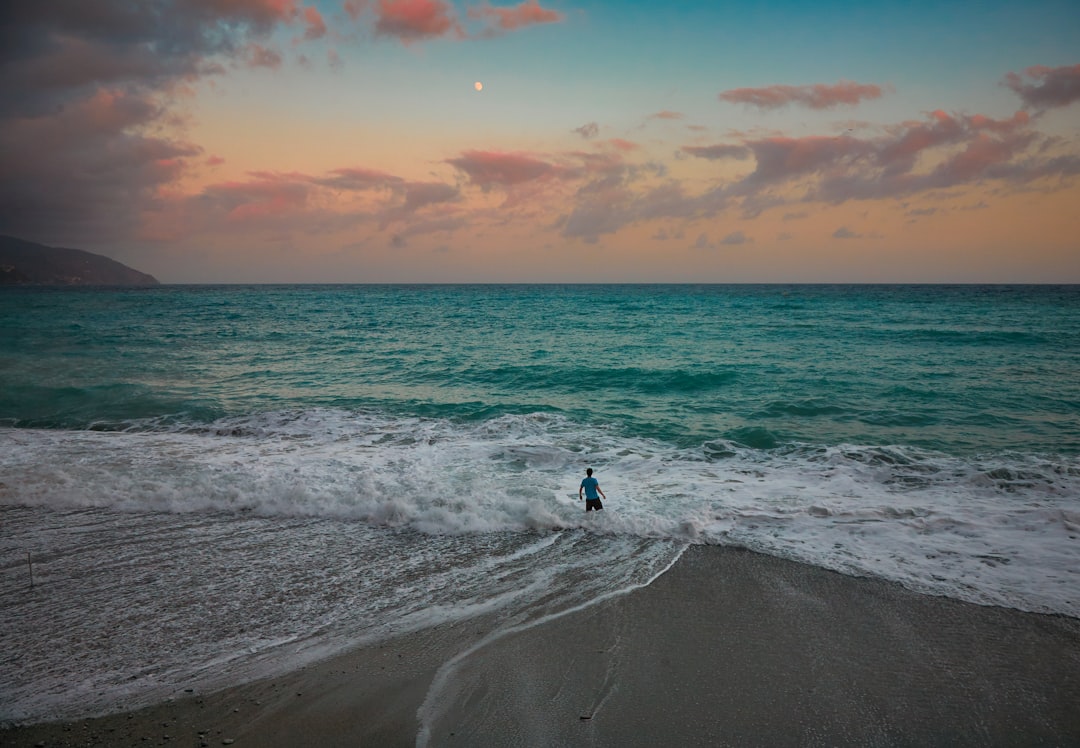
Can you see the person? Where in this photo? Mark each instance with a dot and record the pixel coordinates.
(591, 487)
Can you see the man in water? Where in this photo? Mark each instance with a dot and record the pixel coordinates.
(591, 487)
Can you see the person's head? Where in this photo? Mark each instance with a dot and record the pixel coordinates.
(588, 471)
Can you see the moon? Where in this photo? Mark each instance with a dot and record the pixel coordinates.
(478, 86)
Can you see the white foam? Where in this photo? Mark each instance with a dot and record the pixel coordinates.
(130, 609)
(999, 530)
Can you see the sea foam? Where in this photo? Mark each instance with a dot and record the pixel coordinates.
(1001, 530)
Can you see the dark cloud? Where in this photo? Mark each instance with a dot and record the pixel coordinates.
(84, 103)
(446, 224)
(780, 159)
(716, 152)
(350, 178)
(818, 96)
(420, 195)
(259, 56)
(608, 211)
(76, 174)
(736, 237)
(588, 130)
(1049, 88)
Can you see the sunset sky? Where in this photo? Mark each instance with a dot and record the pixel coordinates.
(348, 140)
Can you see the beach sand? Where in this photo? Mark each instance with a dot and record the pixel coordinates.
(729, 647)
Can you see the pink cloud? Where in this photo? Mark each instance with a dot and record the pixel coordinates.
(413, 20)
(623, 145)
(496, 168)
(359, 179)
(940, 151)
(911, 138)
(528, 13)
(315, 25)
(836, 169)
(260, 56)
(1051, 87)
(982, 154)
(818, 96)
(666, 114)
(355, 8)
(314, 203)
(215, 161)
(908, 140)
(596, 163)
(716, 152)
(1018, 121)
(264, 196)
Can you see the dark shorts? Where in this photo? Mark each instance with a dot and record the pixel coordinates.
(591, 504)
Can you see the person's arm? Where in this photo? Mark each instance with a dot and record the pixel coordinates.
(579, 490)
(600, 492)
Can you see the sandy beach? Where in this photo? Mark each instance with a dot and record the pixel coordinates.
(729, 647)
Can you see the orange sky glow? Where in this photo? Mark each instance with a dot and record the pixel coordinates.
(282, 141)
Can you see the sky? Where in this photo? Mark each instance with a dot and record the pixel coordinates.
(387, 141)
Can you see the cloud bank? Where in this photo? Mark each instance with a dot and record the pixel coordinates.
(817, 96)
(90, 146)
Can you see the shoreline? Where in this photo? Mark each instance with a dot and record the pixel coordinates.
(728, 647)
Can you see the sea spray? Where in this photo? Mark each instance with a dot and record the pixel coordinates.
(997, 530)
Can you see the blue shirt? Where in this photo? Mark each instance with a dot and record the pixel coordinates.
(590, 484)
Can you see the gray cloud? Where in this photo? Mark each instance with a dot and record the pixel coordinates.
(736, 237)
(588, 130)
(1045, 87)
(84, 91)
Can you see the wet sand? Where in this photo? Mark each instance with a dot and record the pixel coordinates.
(727, 648)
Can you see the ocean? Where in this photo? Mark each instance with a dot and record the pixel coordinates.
(204, 485)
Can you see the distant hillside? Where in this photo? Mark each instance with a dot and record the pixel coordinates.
(25, 263)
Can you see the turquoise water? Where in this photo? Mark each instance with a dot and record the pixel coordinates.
(962, 369)
(222, 483)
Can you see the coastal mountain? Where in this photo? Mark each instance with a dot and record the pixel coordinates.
(24, 263)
